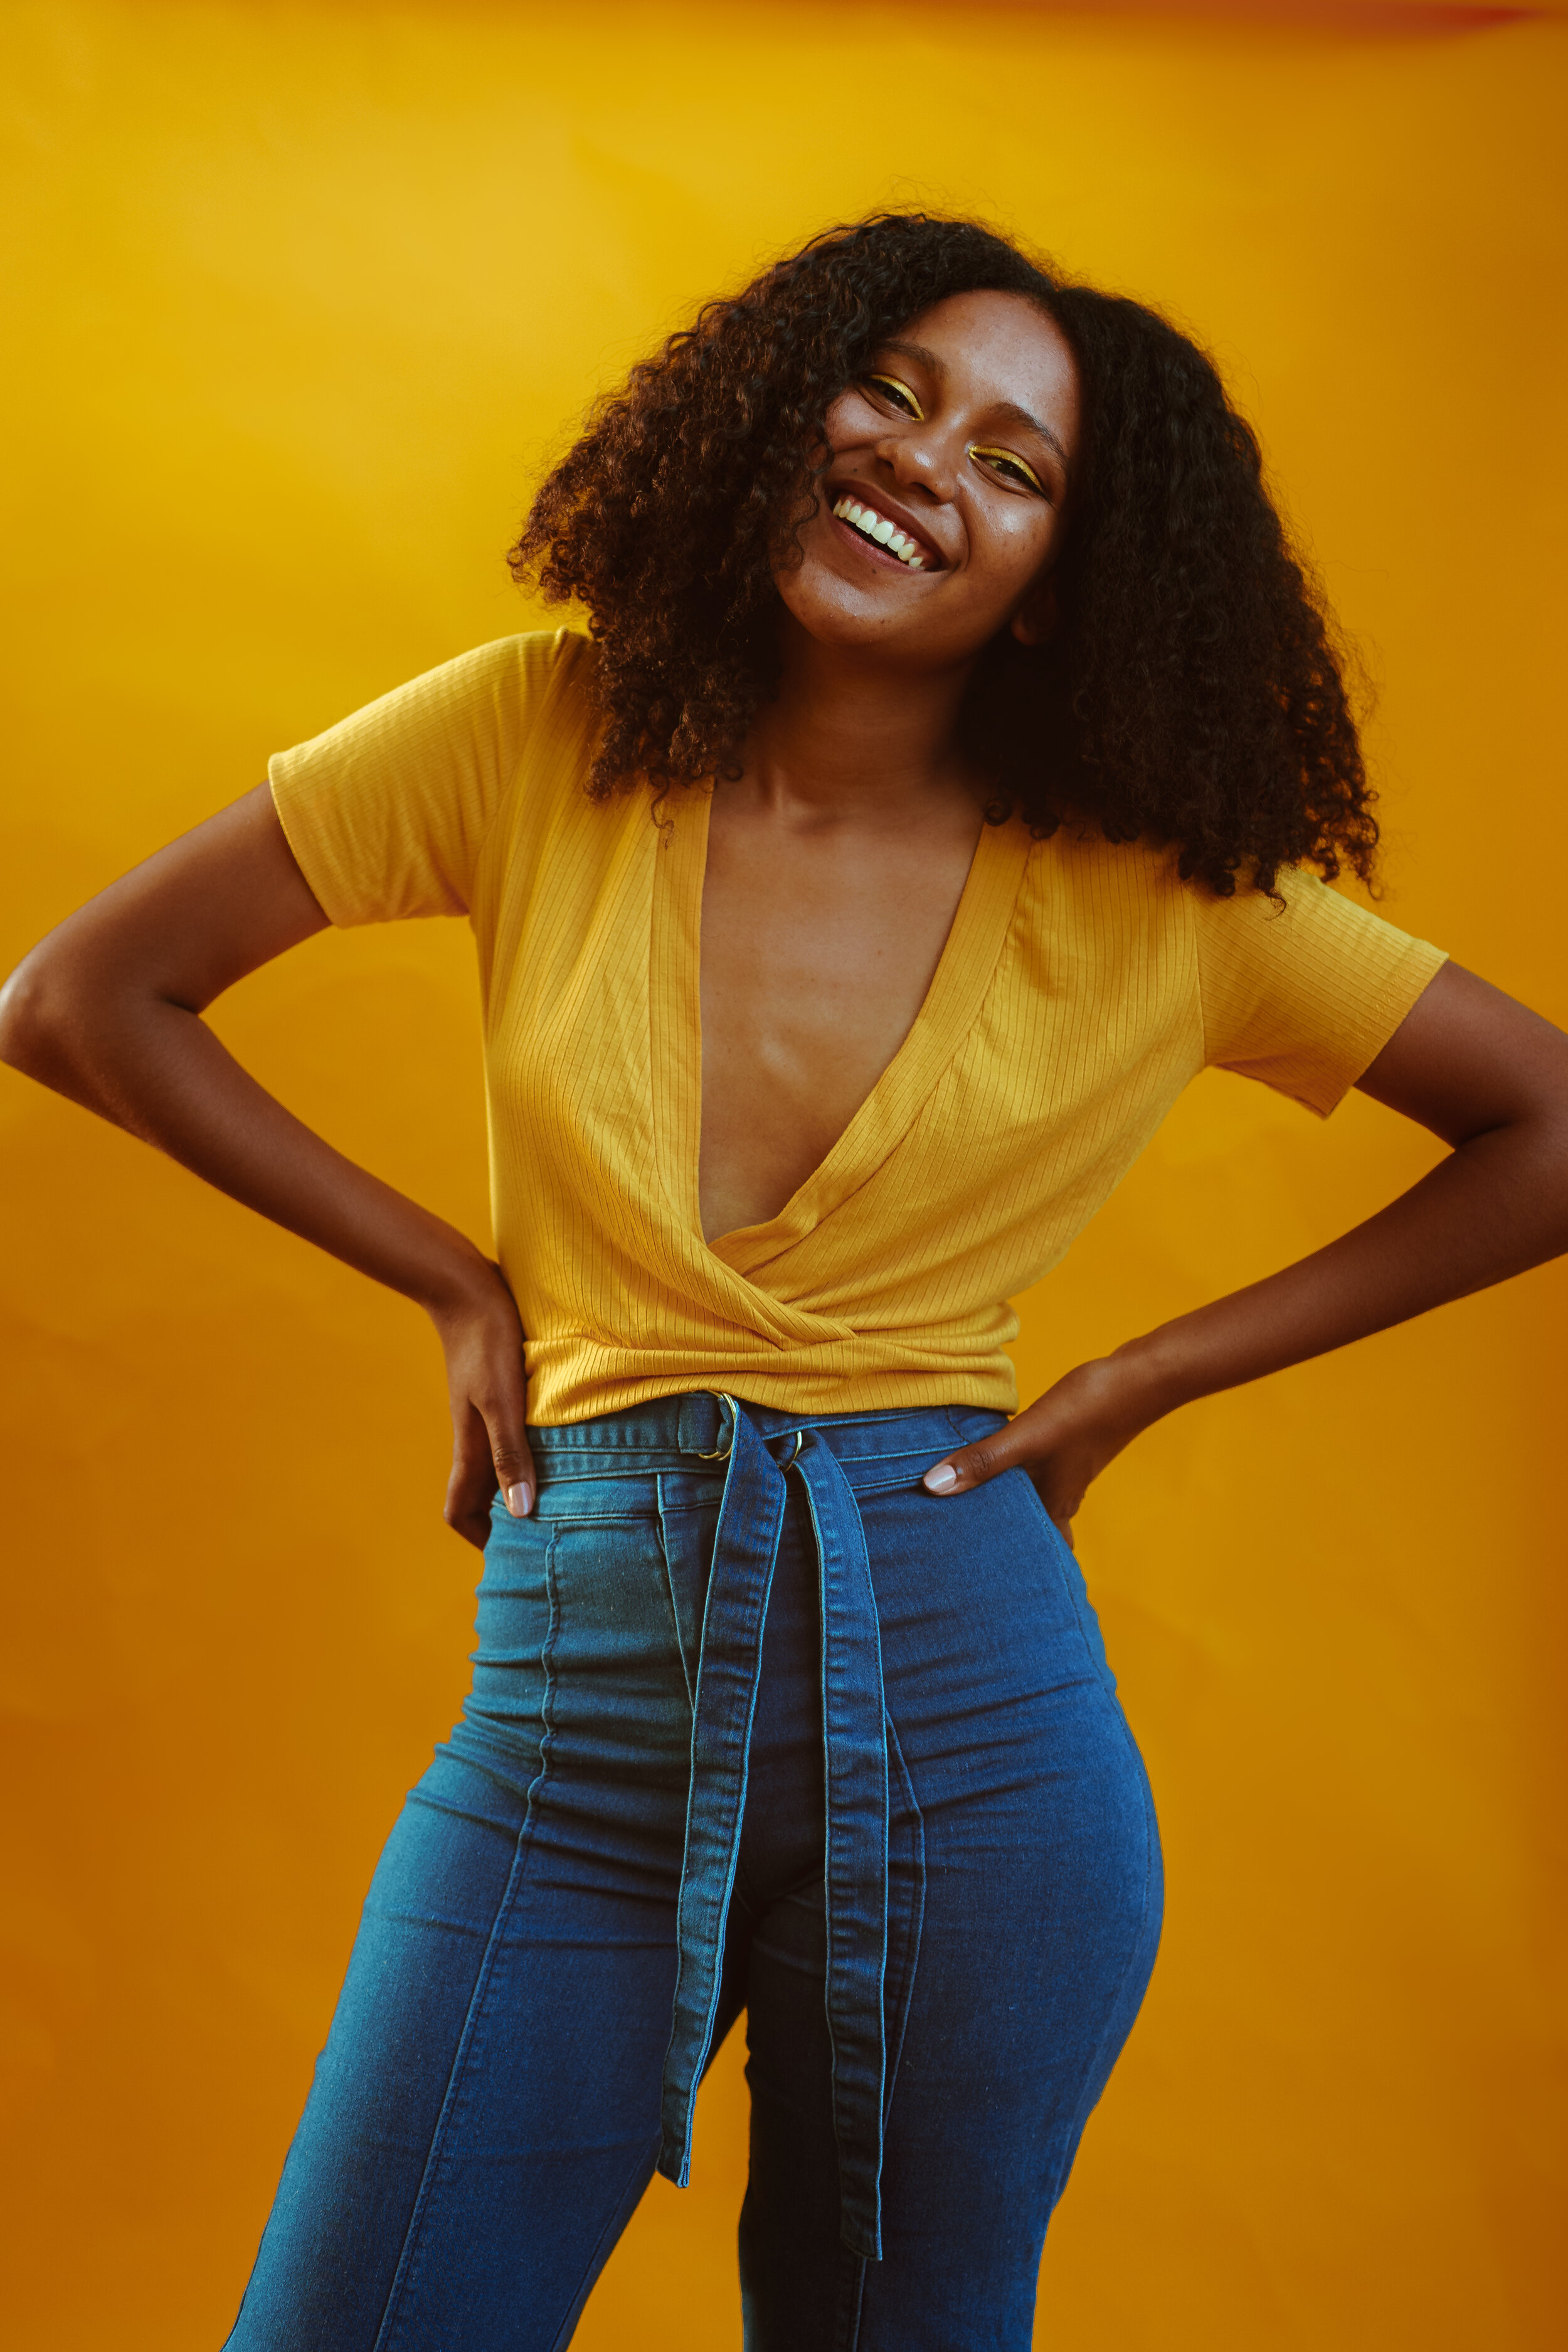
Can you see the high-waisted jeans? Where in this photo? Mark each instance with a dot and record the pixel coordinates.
(756, 1724)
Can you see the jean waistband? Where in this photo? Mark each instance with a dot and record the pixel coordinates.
(695, 1431)
(757, 1450)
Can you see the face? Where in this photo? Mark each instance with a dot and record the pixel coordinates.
(940, 511)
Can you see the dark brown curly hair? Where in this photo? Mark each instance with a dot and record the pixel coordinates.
(1192, 693)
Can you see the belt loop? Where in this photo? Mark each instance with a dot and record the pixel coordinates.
(706, 1426)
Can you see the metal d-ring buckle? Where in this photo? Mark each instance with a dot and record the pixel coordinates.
(724, 1451)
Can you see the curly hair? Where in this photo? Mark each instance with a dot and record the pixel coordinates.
(1193, 692)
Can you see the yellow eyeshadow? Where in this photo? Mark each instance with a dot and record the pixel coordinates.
(894, 383)
(1010, 457)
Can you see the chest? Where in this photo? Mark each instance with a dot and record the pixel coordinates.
(672, 1020)
(817, 951)
(820, 947)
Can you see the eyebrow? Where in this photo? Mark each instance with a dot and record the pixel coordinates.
(1008, 410)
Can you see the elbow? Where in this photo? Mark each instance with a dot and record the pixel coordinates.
(31, 1016)
(1547, 1124)
(1543, 1178)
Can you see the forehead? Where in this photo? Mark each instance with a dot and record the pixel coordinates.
(997, 348)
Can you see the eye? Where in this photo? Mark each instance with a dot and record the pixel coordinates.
(1011, 469)
(899, 395)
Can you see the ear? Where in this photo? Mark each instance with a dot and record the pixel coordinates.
(1038, 614)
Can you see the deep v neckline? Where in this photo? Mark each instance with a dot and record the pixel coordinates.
(947, 1013)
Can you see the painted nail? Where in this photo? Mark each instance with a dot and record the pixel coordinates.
(519, 1499)
(939, 1479)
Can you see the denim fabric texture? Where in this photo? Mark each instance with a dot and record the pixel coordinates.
(756, 1724)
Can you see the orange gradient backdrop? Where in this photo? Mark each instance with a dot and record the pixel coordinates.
(307, 294)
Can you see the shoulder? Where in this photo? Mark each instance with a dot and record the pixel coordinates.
(564, 659)
(1302, 987)
(523, 707)
(1303, 919)
(538, 670)
(494, 691)
(1113, 890)
(1127, 885)
(558, 714)
(389, 812)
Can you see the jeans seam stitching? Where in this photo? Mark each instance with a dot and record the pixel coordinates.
(853, 2311)
(660, 1539)
(404, 2275)
(1101, 1674)
(568, 2327)
(911, 1959)
(1080, 2113)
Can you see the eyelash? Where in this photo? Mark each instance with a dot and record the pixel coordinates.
(998, 460)
(891, 389)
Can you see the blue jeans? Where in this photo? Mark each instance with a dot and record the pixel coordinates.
(756, 1724)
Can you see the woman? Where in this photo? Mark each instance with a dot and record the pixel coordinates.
(963, 754)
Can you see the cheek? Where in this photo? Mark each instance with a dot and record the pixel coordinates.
(1017, 547)
(837, 425)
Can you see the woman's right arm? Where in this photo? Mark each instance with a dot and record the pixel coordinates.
(107, 1010)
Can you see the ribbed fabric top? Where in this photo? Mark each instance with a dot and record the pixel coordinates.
(1082, 985)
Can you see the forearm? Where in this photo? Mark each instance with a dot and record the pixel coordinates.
(157, 1070)
(1496, 1206)
(107, 1011)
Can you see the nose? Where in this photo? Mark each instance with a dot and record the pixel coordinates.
(924, 458)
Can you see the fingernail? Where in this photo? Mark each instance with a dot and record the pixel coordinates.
(939, 1479)
(519, 1499)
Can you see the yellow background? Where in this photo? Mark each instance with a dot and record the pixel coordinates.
(305, 296)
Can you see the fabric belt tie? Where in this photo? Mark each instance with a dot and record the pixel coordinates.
(745, 1552)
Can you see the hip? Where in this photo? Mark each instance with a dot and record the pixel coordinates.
(592, 1612)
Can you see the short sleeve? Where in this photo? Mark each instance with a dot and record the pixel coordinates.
(386, 812)
(1303, 996)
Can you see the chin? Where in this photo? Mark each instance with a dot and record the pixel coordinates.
(827, 609)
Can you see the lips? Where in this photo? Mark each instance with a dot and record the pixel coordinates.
(882, 527)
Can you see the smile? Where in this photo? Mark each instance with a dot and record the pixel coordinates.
(881, 534)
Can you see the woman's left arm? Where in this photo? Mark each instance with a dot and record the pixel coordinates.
(1481, 1071)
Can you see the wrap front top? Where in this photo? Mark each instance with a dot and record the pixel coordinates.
(1081, 987)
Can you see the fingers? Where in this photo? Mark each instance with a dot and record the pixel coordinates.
(960, 1473)
(472, 1484)
(1063, 1439)
(488, 1385)
(503, 1408)
(489, 1450)
(465, 1514)
(972, 1465)
(515, 1474)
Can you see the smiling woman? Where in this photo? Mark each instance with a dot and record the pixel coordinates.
(952, 773)
(1172, 675)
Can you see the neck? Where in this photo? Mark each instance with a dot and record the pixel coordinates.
(849, 737)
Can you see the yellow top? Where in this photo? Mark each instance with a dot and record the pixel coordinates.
(1081, 987)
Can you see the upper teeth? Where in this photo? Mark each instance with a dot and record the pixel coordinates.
(886, 534)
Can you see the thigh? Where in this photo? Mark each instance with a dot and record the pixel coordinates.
(486, 2112)
(1025, 1852)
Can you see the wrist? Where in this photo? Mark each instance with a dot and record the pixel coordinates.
(464, 1285)
(1149, 1376)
